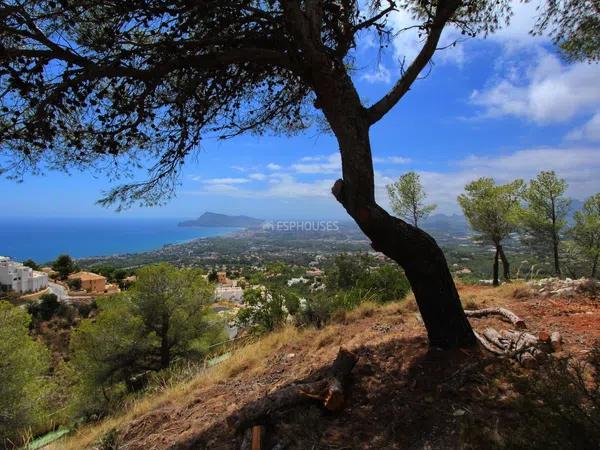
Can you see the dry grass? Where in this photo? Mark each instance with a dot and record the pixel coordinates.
(251, 358)
(363, 310)
(254, 358)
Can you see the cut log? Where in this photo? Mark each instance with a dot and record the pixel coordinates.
(328, 391)
(502, 312)
(527, 360)
(556, 341)
(544, 336)
(494, 337)
(521, 346)
(488, 345)
(524, 341)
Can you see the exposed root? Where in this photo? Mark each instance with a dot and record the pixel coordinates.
(502, 312)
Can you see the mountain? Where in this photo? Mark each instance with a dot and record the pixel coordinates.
(210, 219)
(442, 223)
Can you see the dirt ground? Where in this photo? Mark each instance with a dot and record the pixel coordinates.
(402, 395)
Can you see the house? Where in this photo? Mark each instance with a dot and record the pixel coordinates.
(50, 271)
(223, 280)
(314, 273)
(16, 277)
(229, 293)
(90, 282)
(293, 281)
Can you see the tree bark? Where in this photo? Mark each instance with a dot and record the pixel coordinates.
(413, 249)
(556, 261)
(594, 266)
(495, 282)
(505, 264)
(165, 350)
(555, 240)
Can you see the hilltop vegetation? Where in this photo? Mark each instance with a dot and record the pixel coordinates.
(211, 219)
(402, 393)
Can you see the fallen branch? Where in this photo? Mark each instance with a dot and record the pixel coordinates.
(328, 391)
(502, 312)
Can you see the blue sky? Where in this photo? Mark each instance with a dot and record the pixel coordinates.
(505, 107)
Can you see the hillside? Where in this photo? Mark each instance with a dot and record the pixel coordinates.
(210, 219)
(402, 395)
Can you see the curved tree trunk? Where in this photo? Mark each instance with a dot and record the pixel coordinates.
(416, 251)
(505, 264)
(495, 281)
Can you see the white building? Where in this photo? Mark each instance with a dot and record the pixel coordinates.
(16, 277)
(229, 293)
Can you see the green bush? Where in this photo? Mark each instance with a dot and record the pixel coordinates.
(23, 364)
(47, 306)
(74, 283)
(264, 310)
(163, 318)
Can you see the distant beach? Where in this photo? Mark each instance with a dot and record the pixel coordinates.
(44, 239)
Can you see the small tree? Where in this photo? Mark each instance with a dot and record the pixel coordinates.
(74, 284)
(586, 231)
(346, 271)
(46, 308)
(31, 263)
(23, 362)
(264, 310)
(544, 217)
(64, 265)
(492, 211)
(174, 304)
(407, 198)
(164, 316)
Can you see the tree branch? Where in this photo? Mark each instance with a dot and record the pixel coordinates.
(443, 13)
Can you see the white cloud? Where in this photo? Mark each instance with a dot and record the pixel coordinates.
(579, 166)
(313, 158)
(257, 176)
(589, 132)
(549, 92)
(391, 160)
(325, 165)
(226, 189)
(273, 166)
(285, 186)
(517, 34)
(221, 181)
(407, 43)
(380, 75)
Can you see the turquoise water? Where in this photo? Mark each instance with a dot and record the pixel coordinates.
(44, 239)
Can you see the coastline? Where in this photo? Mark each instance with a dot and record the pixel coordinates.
(44, 239)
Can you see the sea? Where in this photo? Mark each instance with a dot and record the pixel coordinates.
(44, 239)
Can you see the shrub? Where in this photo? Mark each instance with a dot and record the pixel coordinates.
(47, 306)
(75, 284)
(560, 406)
(385, 284)
(23, 362)
(264, 310)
